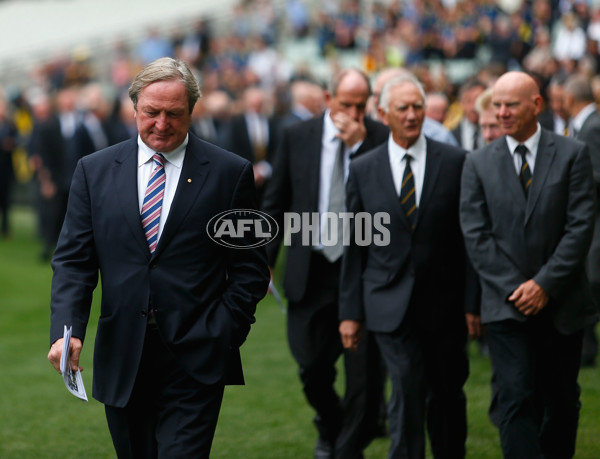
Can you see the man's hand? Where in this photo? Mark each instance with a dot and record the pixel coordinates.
(529, 298)
(351, 131)
(56, 352)
(474, 325)
(351, 333)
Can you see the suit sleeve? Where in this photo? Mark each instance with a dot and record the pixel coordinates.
(277, 197)
(247, 270)
(74, 265)
(351, 295)
(573, 247)
(491, 264)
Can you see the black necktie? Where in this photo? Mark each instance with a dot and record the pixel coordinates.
(525, 175)
(407, 193)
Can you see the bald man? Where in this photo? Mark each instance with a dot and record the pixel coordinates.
(527, 215)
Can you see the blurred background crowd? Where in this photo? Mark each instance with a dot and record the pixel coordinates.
(270, 60)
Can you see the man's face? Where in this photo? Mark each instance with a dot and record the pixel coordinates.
(405, 114)
(467, 102)
(351, 98)
(163, 117)
(556, 99)
(489, 126)
(516, 109)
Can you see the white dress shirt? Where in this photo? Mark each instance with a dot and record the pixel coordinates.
(329, 147)
(173, 164)
(532, 147)
(418, 152)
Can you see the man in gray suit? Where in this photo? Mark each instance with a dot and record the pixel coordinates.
(411, 292)
(527, 212)
(585, 125)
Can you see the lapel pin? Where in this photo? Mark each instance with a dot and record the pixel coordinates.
(189, 180)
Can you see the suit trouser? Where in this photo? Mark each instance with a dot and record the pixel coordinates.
(169, 415)
(428, 370)
(315, 343)
(538, 395)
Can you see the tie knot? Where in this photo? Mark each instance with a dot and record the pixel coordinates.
(159, 159)
(407, 157)
(521, 150)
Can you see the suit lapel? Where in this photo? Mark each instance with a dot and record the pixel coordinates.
(312, 150)
(125, 186)
(432, 170)
(544, 157)
(194, 172)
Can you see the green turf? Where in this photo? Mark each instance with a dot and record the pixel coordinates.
(267, 418)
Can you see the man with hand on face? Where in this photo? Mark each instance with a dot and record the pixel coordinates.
(308, 177)
(527, 213)
(412, 293)
(175, 305)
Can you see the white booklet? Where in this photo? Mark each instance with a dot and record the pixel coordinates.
(72, 379)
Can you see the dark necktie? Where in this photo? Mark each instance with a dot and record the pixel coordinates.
(153, 198)
(407, 193)
(337, 197)
(525, 175)
(476, 138)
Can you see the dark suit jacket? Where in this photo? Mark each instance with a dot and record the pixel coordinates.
(294, 187)
(238, 139)
(590, 135)
(511, 239)
(203, 295)
(425, 267)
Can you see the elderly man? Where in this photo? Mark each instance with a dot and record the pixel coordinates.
(175, 305)
(527, 213)
(411, 292)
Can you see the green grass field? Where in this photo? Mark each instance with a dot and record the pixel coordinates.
(266, 419)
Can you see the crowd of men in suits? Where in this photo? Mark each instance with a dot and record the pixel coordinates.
(490, 233)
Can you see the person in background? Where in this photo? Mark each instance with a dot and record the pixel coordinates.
(308, 178)
(583, 112)
(177, 302)
(8, 142)
(467, 132)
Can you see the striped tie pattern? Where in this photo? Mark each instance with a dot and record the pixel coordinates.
(525, 176)
(153, 201)
(407, 193)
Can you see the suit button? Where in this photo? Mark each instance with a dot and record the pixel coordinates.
(153, 265)
(144, 313)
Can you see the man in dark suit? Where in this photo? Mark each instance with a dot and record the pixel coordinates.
(527, 213)
(585, 126)
(409, 290)
(253, 136)
(467, 132)
(175, 305)
(303, 182)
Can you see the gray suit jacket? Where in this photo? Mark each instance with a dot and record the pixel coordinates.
(546, 237)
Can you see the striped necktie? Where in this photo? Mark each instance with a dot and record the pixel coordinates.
(407, 193)
(525, 176)
(153, 200)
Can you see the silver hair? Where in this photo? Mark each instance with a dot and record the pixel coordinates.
(165, 69)
(384, 98)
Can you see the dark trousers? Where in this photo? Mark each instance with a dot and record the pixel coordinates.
(315, 343)
(169, 415)
(538, 396)
(428, 370)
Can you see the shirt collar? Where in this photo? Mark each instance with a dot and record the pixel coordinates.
(417, 150)
(175, 157)
(580, 118)
(330, 132)
(531, 143)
